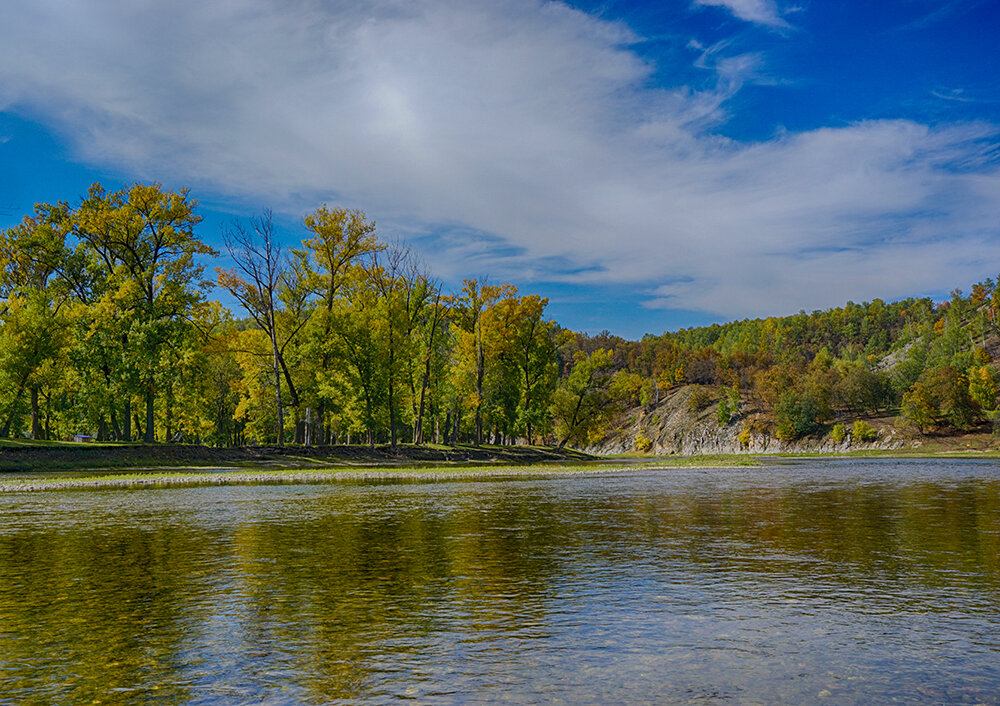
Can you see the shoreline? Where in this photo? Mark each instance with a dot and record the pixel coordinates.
(233, 477)
(21, 457)
(190, 476)
(100, 479)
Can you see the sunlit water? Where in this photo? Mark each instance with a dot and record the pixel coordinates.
(835, 581)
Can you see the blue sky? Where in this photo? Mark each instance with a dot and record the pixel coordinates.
(646, 166)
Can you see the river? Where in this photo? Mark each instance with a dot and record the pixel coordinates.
(833, 581)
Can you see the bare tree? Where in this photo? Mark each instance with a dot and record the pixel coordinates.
(260, 266)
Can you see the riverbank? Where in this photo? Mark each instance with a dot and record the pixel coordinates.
(232, 476)
(25, 456)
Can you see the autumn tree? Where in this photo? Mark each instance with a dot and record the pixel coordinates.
(34, 262)
(335, 253)
(143, 240)
(469, 311)
(583, 400)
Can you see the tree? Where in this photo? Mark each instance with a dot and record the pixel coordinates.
(33, 327)
(583, 401)
(430, 331)
(142, 248)
(983, 387)
(266, 286)
(919, 407)
(941, 396)
(337, 251)
(535, 355)
(468, 310)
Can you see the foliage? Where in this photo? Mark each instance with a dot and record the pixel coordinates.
(106, 329)
(729, 404)
(838, 433)
(799, 414)
(643, 444)
(940, 398)
(699, 399)
(863, 432)
(583, 402)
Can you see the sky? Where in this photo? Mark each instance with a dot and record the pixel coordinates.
(645, 165)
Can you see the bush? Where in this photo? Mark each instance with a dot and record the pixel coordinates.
(940, 397)
(724, 414)
(643, 444)
(862, 431)
(699, 399)
(798, 414)
(744, 438)
(838, 433)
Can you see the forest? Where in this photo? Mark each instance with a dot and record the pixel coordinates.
(111, 329)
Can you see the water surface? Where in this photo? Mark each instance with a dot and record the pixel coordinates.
(840, 581)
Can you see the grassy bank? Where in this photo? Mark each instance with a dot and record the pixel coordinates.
(300, 476)
(25, 456)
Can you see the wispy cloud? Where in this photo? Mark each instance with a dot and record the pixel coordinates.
(513, 137)
(761, 12)
(940, 12)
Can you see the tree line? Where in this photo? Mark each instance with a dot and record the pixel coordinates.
(109, 329)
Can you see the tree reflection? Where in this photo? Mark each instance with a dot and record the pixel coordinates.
(350, 592)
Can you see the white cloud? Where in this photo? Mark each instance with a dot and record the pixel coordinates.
(762, 12)
(517, 137)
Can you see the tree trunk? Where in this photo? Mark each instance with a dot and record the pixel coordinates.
(5, 432)
(115, 428)
(128, 418)
(36, 427)
(277, 386)
(150, 431)
(48, 415)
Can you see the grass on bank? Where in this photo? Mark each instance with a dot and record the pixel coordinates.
(297, 475)
(44, 456)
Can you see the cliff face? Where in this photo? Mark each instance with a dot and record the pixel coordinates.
(676, 426)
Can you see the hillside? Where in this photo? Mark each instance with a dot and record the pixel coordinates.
(673, 427)
(908, 375)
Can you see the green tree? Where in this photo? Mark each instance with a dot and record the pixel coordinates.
(142, 242)
(33, 326)
(582, 402)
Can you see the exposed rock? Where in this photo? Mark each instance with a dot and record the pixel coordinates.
(675, 426)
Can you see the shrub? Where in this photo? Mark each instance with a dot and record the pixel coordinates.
(798, 414)
(699, 399)
(862, 431)
(643, 444)
(724, 414)
(838, 433)
(744, 438)
(941, 396)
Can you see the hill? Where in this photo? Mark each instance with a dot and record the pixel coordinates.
(902, 375)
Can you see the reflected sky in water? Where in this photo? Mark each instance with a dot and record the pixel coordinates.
(842, 580)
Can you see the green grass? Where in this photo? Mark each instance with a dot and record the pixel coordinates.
(175, 477)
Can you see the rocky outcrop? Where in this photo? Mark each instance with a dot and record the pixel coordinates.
(679, 425)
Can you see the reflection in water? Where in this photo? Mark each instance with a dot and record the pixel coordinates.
(853, 581)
